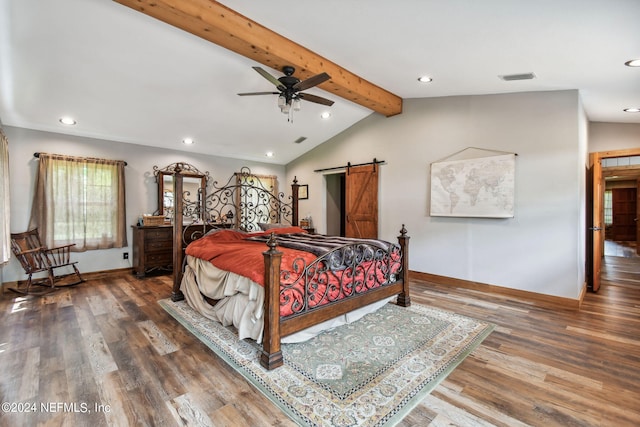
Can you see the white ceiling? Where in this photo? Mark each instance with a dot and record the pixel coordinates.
(127, 77)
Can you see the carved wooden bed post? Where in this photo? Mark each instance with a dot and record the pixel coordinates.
(176, 293)
(294, 205)
(271, 356)
(404, 298)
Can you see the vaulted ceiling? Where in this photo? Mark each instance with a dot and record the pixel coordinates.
(223, 26)
(157, 77)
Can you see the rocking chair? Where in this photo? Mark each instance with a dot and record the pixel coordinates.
(36, 257)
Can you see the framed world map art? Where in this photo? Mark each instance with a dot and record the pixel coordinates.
(481, 187)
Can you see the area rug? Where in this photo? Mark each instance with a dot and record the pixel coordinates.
(371, 372)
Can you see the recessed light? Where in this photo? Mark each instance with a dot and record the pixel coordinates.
(632, 110)
(425, 79)
(325, 115)
(188, 141)
(633, 63)
(69, 121)
(269, 154)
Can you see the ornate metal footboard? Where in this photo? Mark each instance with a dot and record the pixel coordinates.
(366, 276)
(345, 272)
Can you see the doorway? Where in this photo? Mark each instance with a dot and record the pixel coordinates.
(352, 202)
(335, 212)
(611, 174)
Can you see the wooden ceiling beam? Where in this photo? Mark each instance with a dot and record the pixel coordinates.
(218, 24)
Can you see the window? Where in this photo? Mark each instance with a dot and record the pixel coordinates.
(81, 201)
(608, 207)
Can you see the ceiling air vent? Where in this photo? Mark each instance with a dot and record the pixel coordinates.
(299, 140)
(522, 76)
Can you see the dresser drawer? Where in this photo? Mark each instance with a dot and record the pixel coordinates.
(158, 245)
(159, 234)
(158, 259)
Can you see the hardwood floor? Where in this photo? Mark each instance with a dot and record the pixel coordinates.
(105, 353)
(626, 249)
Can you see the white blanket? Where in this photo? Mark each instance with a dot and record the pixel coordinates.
(240, 302)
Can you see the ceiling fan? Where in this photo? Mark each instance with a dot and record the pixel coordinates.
(290, 89)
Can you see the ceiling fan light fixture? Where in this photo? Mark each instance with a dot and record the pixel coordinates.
(290, 90)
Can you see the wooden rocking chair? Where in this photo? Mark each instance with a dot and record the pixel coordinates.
(36, 257)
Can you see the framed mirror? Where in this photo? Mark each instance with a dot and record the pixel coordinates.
(194, 190)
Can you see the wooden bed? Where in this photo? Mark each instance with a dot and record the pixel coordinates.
(242, 203)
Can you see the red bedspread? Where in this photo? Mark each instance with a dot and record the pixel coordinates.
(228, 250)
(301, 288)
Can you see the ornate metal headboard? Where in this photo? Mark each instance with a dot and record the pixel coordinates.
(244, 201)
(245, 197)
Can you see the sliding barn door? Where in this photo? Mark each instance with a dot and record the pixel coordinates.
(361, 201)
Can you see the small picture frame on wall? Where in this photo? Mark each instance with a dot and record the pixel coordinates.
(303, 192)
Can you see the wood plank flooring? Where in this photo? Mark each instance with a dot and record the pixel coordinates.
(626, 249)
(106, 354)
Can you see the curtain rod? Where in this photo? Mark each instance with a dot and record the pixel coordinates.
(37, 155)
(349, 165)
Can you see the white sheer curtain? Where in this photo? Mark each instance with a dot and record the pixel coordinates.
(5, 231)
(80, 200)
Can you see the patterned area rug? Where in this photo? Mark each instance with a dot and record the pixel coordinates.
(371, 372)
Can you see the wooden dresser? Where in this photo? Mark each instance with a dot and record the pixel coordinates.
(153, 246)
(152, 249)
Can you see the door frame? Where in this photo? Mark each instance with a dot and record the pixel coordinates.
(595, 229)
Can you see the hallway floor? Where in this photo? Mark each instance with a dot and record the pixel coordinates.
(620, 249)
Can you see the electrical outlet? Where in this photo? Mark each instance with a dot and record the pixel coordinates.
(125, 255)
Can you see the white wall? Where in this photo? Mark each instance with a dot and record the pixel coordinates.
(141, 187)
(581, 221)
(540, 250)
(613, 136)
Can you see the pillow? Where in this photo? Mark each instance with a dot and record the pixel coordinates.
(289, 229)
(268, 226)
(217, 230)
(225, 234)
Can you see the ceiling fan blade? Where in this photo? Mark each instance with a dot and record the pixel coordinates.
(311, 81)
(317, 99)
(269, 77)
(258, 93)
